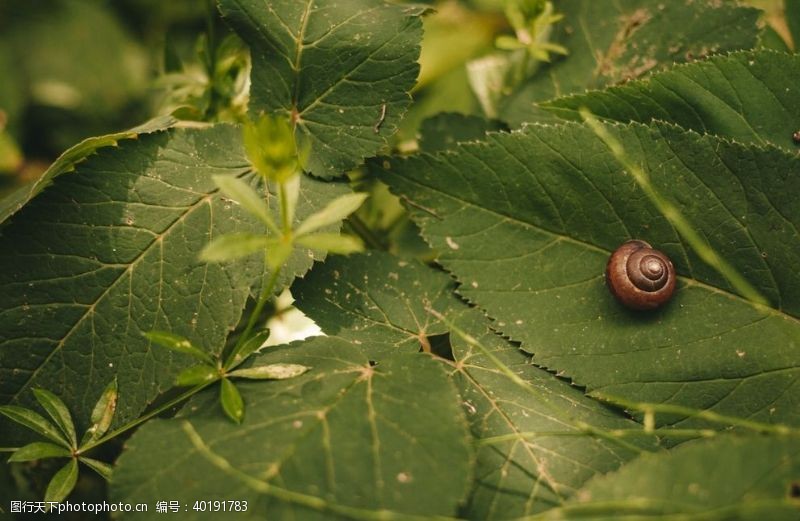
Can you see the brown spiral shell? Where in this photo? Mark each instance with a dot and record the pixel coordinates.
(639, 276)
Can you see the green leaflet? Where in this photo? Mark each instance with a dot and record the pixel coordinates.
(530, 223)
(110, 251)
(62, 482)
(341, 70)
(39, 450)
(724, 478)
(344, 434)
(750, 97)
(531, 456)
(610, 42)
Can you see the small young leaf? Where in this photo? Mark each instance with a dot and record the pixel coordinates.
(62, 483)
(179, 344)
(270, 146)
(58, 411)
(196, 375)
(39, 450)
(233, 246)
(334, 212)
(34, 422)
(103, 413)
(291, 193)
(277, 253)
(270, 372)
(231, 401)
(239, 191)
(332, 242)
(101, 467)
(247, 348)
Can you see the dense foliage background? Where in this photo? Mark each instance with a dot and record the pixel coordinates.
(186, 186)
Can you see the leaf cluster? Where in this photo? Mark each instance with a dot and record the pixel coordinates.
(495, 379)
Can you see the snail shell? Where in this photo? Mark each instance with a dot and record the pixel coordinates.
(639, 276)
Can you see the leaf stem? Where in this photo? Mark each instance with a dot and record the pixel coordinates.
(141, 419)
(698, 413)
(588, 429)
(290, 496)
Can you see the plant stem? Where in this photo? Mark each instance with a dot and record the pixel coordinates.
(266, 292)
(671, 212)
(141, 419)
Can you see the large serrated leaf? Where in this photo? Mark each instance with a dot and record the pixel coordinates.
(610, 42)
(533, 217)
(111, 251)
(751, 97)
(532, 454)
(67, 161)
(344, 435)
(341, 70)
(380, 301)
(725, 478)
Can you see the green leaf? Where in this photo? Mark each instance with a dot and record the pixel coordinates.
(444, 130)
(231, 401)
(742, 96)
(57, 410)
(34, 422)
(346, 435)
(178, 344)
(62, 483)
(332, 243)
(535, 449)
(242, 193)
(381, 301)
(752, 479)
(248, 348)
(11, 204)
(196, 375)
(529, 227)
(102, 413)
(531, 451)
(104, 469)
(792, 13)
(335, 211)
(609, 44)
(270, 146)
(233, 246)
(270, 372)
(341, 71)
(39, 450)
(110, 251)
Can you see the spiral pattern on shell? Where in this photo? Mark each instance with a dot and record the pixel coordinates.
(639, 276)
